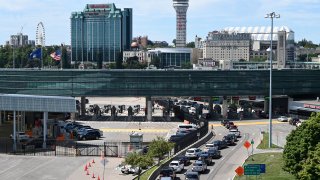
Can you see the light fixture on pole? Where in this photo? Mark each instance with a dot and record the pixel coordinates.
(271, 16)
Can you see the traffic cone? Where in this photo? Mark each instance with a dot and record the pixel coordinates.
(89, 165)
(86, 168)
(93, 176)
(98, 177)
(93, 161)
(87, 173)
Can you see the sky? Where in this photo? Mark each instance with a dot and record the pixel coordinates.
(156, 18)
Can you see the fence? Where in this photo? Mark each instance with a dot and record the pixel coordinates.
(68, 148)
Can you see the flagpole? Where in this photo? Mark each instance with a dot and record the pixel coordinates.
(41, 59)
(61, 59)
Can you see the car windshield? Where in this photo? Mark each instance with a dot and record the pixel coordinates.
(173, 164)
(198, 164)
(191, 176)
(190, 151)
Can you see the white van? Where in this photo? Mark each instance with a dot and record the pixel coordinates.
(187, 127)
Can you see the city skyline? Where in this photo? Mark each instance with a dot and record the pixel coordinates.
(149, 16)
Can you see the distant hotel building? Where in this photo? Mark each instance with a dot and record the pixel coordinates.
(100, 33)
(248, 43)
(181, 7)
(226, 46)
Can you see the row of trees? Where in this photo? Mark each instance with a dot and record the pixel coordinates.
(302, 151)
(18, 57)
(158, 148)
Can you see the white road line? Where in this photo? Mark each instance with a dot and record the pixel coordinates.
(37, 167)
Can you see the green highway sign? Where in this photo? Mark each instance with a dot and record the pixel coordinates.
(252, 142)
(252, 169)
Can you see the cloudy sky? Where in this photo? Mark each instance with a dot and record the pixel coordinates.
(156, 18)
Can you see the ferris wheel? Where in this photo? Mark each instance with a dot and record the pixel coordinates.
(40, 35)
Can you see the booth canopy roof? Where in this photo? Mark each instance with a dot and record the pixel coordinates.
(31, 103)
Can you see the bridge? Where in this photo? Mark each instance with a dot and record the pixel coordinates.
(132, 83)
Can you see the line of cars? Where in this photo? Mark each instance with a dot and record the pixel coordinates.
(83, 132)
(203, 158)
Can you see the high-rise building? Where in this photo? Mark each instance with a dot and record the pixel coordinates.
(100, 33)
(181, 7)
(18, 40)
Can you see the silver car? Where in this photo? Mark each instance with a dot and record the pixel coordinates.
(199, 166)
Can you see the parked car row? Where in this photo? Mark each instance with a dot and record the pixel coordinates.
(83, 132)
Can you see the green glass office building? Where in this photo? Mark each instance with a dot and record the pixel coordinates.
(100, 33)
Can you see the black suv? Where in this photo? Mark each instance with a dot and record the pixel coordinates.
(224, 122)
(204, 156)
(216, 154)
(183, 159)
(229, 140)
(220, 144)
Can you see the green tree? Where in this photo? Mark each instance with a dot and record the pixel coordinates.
(186, 65)
(174, 42)
(138, 160)
(191, 45)
(155, 61)
(159, 147)
(302, 151)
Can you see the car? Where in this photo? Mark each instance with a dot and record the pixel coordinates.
(190, 175)
(193, 153)
(177, 166)
(294, 121)
(89, 135)
(214, 153)
(167, 172)
(187, 127)
(182, 132)
(228, 124)
(282, 119)
(128, 169)
(235, 132)
(206, 116)
(210, 146)
(224, 122)
(220, 144)
(184, 159)
(233, 127)
(204, 156)
(199, 166)
(21, 136)
(229, 140)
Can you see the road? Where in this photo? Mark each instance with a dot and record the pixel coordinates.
(37, 168)
(234, 156)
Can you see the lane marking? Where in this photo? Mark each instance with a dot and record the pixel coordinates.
(135, 130)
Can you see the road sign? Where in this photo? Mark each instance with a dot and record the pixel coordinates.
(239, 171)
(252, 169)
(262, 168)
(247, 144)
(252, 142)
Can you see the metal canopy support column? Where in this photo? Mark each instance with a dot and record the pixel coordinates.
(83, 106)
(149, 108)
(0, 118)
(14, 132)
(224, 108)
(210, 105)
(45, 119)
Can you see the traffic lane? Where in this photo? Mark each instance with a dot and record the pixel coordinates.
(236, 156)
(220, 132)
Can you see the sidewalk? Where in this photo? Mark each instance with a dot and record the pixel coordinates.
(111, 170)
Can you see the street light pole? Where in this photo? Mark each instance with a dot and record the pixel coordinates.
(271, 16)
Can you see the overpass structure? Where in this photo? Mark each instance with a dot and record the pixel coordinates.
(132, 83)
